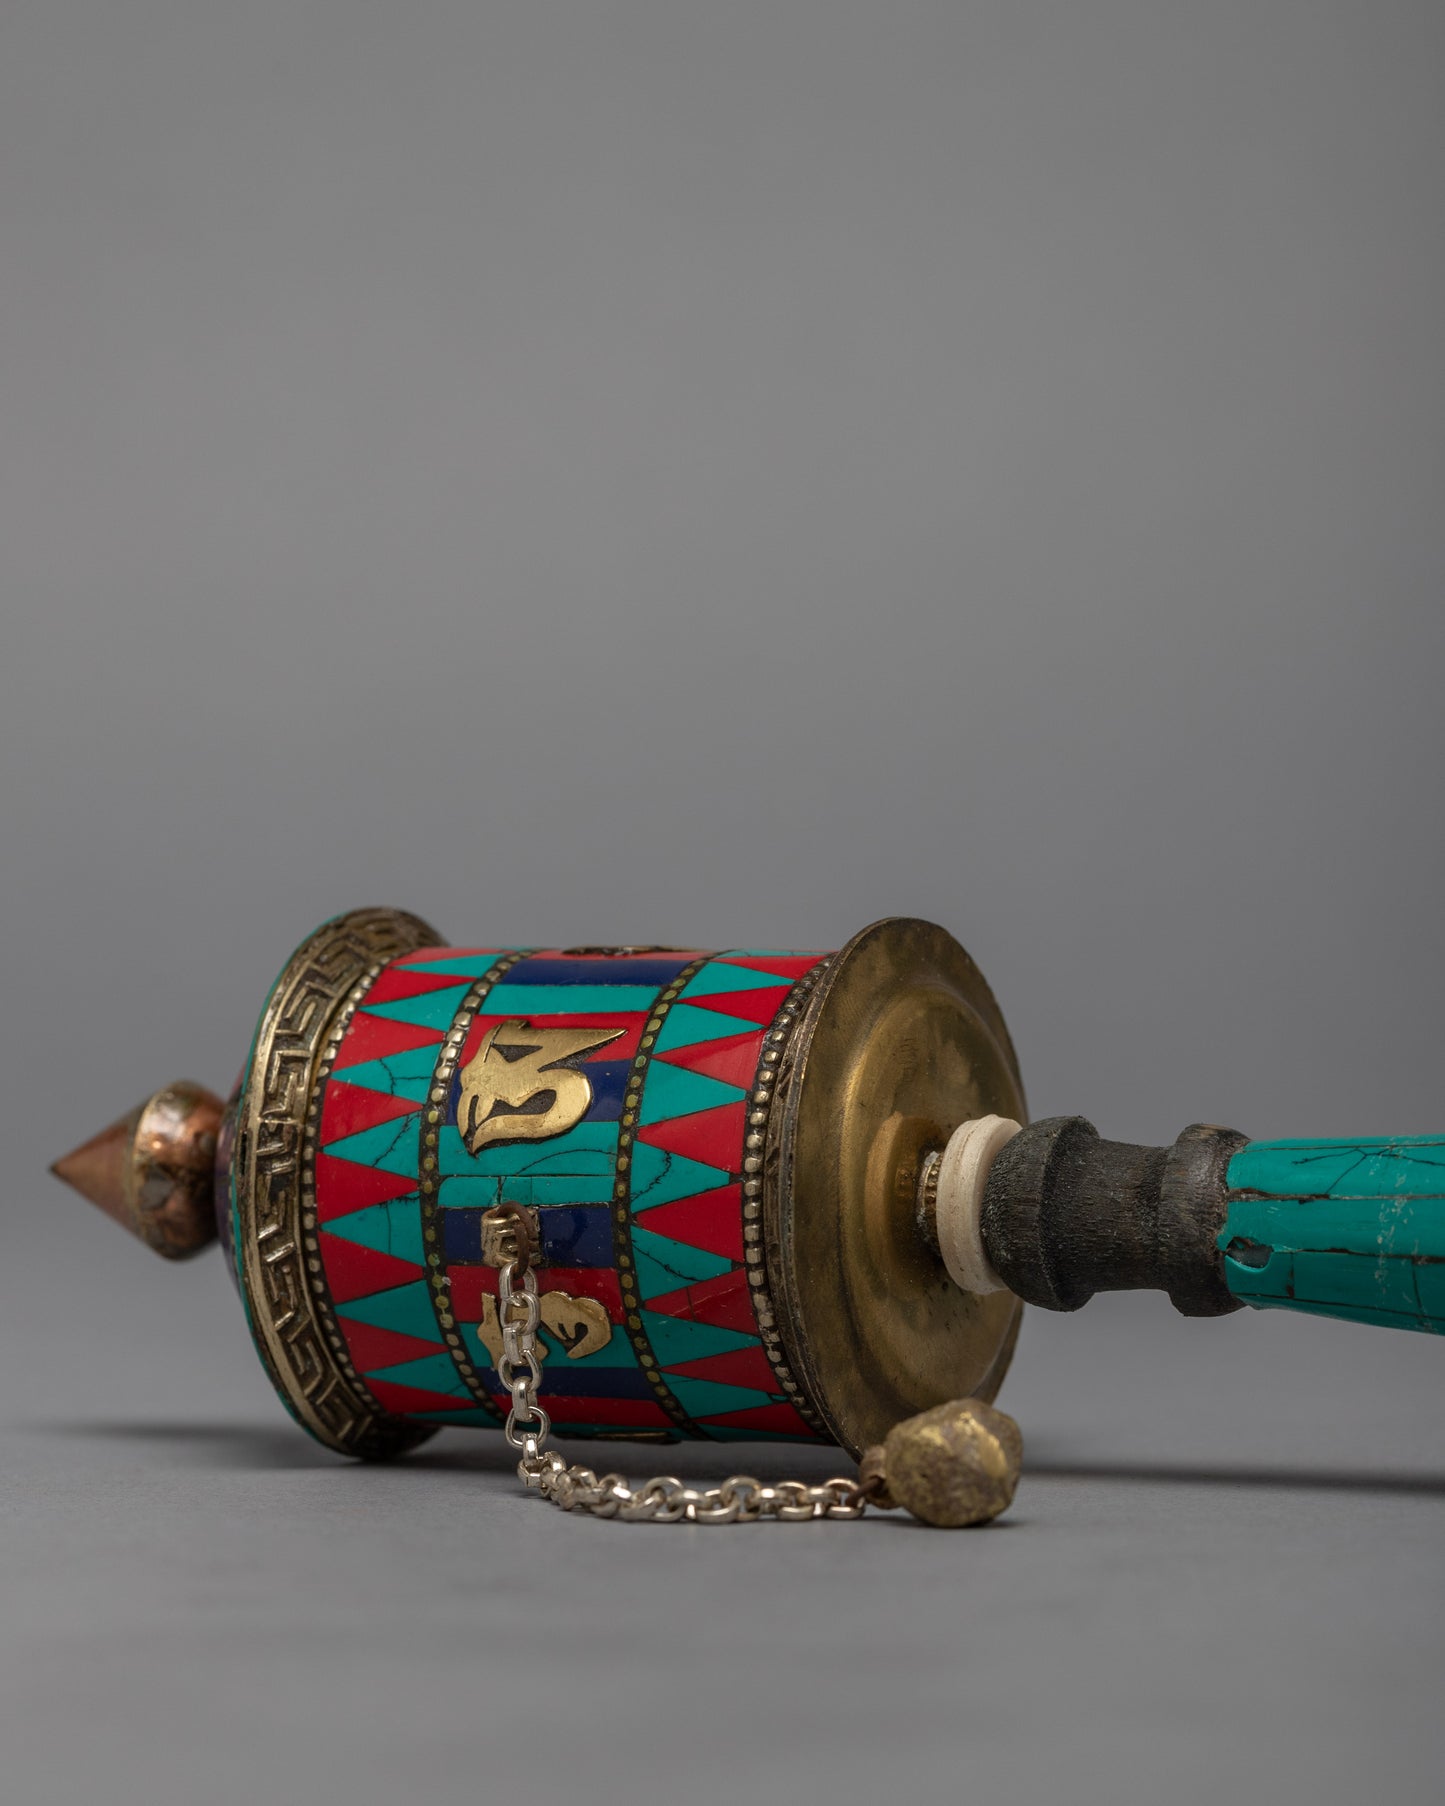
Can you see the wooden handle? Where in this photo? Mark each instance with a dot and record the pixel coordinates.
(1351, 1229)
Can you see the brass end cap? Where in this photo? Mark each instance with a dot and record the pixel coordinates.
(154, 1170)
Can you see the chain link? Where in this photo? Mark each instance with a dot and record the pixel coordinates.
(662, 1500)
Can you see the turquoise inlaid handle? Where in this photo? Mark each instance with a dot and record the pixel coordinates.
(1351, 1229)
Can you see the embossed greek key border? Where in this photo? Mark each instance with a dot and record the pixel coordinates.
(295, 1332)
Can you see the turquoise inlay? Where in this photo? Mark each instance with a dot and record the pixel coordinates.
(1407, 1166)
(406, 1309)
(618, 1353)
(389, 1147)
(567, 1000)
(237, 1244)
(675, 1340)
(670, 1091)
(705, 1398)
(1269, 1278)
(556, 1361)
(659, 1177)
(398, 1075)
(392, 1228)
(477, 1352)
(457, 965)
(687, 1026)
(1388, 1226)
(433, 1009)
(1430, 1289)
(591, 1147)
(664, 1265)
(432, 1373)
(715, 979)
(1349, 1313)
(1350, 1229)
(1367, 1285)
(465, 1190)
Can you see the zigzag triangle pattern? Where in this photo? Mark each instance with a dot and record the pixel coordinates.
(687, 1197)
(678, 1090)
(707, 1219)
(684, 1191)
(370, 1238)
(734, 1060)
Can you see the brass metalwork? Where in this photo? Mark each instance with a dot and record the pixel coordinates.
(873, 1478)
(617, 952)
(925, 1209)
(438, 1274)
(154, 1170)
(509, 1232)
(295, 1333)
(954, 1465)
(581, 1325)
(661, 1500)
(875, 1057)
(770, 1085)
(901, 1041)
(489, 1330)
(517, 1068)
(957, 1464)
(622, 1258)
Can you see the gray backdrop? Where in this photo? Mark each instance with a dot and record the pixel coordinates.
(724, 473)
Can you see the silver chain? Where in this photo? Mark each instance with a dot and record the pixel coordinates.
(661, 1500)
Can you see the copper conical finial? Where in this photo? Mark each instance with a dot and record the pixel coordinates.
(153, 1171)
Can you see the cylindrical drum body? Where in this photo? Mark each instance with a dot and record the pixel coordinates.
(721, 1151)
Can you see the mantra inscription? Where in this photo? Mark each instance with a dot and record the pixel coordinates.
(581, 1325)
(521, 1085)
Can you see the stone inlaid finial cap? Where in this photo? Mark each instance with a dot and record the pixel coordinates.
(154, 1170)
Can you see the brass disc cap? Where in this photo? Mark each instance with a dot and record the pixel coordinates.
(901, 1043)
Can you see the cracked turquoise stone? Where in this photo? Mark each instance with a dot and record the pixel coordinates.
(1352, 1229)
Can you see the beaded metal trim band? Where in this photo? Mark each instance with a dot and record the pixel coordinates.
(429, 1183)
(315, 1270)
(622, 1197)
(760, 1172)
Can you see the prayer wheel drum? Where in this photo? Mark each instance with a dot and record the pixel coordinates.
(722, 1151)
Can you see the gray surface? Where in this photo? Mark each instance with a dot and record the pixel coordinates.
(724, 473)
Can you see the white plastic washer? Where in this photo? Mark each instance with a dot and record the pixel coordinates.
(962, 1176)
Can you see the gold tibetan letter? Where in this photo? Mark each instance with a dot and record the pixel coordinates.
(521, 1085)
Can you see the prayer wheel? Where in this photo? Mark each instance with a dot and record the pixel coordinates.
(773, 1195)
